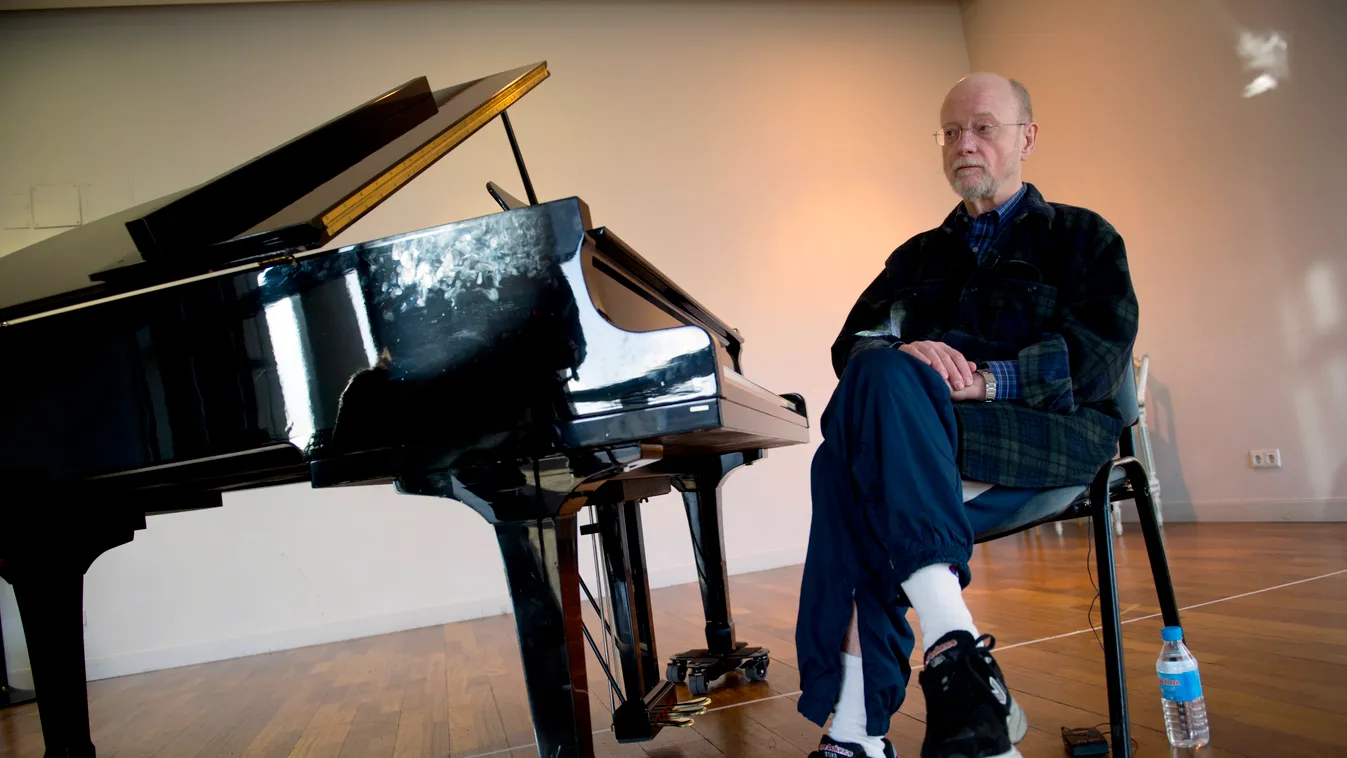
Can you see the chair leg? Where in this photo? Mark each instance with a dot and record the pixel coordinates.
(1159, 510)
(1155, 542)
(1148, 458)
(1109, 619)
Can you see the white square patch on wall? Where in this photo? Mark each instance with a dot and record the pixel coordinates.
(16, 210)
(103, 199)
(56, 205)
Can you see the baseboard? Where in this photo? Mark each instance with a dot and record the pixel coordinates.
(742, 564)
(1262, 511)
(218, 650)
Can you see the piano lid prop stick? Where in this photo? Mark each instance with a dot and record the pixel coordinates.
(519, 158)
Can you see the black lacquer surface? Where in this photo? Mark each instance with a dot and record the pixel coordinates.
(425, 346)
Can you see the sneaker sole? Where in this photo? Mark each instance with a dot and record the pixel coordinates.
(1017, 724)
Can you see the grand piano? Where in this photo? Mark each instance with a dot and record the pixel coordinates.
(524, 364)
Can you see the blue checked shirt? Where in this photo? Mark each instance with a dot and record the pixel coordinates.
(981, 235)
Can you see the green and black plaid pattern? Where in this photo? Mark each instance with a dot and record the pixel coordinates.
(1055, 296)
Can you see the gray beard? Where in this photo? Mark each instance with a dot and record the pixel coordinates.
(985, 187)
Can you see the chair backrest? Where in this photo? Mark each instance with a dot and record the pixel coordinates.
(1127, 397)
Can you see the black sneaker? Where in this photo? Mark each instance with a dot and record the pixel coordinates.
(969, 711)
(831, 748)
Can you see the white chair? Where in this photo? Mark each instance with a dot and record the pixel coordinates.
(1142, 365)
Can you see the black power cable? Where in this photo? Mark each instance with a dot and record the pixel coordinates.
(1110, 733)
(1089, 616)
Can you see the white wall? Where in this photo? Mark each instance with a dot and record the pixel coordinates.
(1230, 208)
(765, 156)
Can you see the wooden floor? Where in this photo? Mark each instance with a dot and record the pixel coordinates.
(1274, 666)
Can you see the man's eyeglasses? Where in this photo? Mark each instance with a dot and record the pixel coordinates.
(952, 134)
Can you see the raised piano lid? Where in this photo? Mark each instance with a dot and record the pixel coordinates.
(295, 197)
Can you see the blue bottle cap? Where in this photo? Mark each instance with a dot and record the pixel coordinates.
(1171, 633)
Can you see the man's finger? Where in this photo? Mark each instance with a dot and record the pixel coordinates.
(937, 361)
(961, 364)
(911, 350)
(954, 377)
(952, 360)
(916, 353)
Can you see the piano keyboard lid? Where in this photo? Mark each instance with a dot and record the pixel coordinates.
(295, 197)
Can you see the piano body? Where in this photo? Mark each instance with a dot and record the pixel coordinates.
(523, 363)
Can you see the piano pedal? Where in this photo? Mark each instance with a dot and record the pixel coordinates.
(641, 720)
(682, 710)
(698, 706)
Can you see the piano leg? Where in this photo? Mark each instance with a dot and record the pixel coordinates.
(51, 603)
(543, 573)
(640, 578)
(47, 572)
(624, 553)
(723, 654)
(10, 696)
(649, 703)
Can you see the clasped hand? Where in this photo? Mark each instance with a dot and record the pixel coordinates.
(959, 373)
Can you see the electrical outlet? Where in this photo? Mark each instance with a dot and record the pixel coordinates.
(1266, 458)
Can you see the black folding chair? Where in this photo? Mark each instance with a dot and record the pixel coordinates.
(1123, 478)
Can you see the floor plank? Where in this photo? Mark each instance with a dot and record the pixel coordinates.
(1274, 665)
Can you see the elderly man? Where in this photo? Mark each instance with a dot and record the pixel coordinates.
(981, 365)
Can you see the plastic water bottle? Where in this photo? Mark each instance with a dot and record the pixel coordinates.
(1185, 708)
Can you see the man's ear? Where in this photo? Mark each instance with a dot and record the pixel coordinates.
(1030, 141)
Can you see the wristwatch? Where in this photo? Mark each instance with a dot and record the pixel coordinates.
(991, 383)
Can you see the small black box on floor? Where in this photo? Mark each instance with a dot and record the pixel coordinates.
(1087, 741)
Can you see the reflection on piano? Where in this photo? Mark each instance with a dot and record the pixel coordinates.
(523, 363)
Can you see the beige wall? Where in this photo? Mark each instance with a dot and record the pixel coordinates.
(1230, 208)
(765, 156)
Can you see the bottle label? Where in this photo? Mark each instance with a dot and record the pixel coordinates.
(1181, 688)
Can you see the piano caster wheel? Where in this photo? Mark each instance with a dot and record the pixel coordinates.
(697, 684)
(756, 670)
(676, 673)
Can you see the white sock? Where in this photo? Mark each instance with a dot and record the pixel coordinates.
(938, 600)
(849, 714)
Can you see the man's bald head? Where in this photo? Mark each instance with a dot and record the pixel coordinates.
(987, 130)
(985, 85)
(1022, 95)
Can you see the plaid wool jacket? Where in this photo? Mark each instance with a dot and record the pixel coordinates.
(1055, 296)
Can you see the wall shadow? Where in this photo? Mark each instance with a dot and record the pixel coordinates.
(1176, 500)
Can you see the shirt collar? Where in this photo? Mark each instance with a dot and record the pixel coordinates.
(1004, 210)
(1027, 200)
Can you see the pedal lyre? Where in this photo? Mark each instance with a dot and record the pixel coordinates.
(641, 720)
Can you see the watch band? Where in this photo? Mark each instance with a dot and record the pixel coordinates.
(991, 383)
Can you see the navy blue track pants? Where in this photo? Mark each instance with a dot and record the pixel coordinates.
(887, 500)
